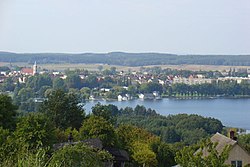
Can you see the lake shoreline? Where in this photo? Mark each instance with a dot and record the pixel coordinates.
(231, 111)
(178, 97)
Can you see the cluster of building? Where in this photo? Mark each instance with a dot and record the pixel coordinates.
(21, 75)
(132, 78)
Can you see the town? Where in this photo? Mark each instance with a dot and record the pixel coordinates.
(33, 84)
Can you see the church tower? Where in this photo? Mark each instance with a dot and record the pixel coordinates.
(35, 69)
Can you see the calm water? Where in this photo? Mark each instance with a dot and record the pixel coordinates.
(232, 112)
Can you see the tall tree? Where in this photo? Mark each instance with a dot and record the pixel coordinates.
(108, 112)
(164, 154)
(63, 109)
(138, 142)
(143, 155)
(79, 155)
(98, 127)
(244, 141)
(7, 85)
(58, 83)
(35, 130)
(37, 81)
(8, 112)
(73, 81)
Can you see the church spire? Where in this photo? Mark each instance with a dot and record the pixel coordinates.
(35, 68)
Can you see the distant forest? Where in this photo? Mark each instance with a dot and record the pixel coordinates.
(127, 59)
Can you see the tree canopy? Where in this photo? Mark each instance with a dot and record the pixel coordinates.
(63, 109)
(35, 130)
(98, 127)
(8, 112)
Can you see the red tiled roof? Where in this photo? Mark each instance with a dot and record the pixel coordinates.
(27, 70)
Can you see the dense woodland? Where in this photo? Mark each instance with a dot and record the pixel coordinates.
(127, 59)
(188, 129)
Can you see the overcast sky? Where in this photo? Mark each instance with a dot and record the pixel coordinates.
(167, 26)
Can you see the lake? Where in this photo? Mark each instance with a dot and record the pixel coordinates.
(232, 112)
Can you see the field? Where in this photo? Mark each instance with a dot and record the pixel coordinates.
(94, 67)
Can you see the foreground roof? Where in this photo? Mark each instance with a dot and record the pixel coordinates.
(222, 141)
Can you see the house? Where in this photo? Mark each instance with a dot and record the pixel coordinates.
(126, 97)
(156, 95)
(119, 97)
(105, 89)
(238, 157)
(27, 71)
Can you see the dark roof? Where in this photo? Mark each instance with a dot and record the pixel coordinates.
(94, 143)
(119, 155)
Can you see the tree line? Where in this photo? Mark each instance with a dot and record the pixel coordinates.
(127, 59)
(182, 128)
(223, 88)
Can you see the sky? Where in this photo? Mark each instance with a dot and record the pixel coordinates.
(100, 26)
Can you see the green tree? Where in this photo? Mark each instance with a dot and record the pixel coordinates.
(5, 147)
(150, 87)
(169, 134)
(128, 134)
(58, 83)
(98, 127)
(34, 130)
(42, 91)
(164, 154)
(79, 155)
(73, 81)
(7, 85)
(143, 155)
(63, 109)
(25, 93)
(8, 112)
(244, 141)
(107, 72)
(132, 90)
(113, 70)
(25, 98)
(108, 112)
(62, 135)
(91, 81)
(173, 128)
(85, 92)
(37, 81)
(107, 82)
